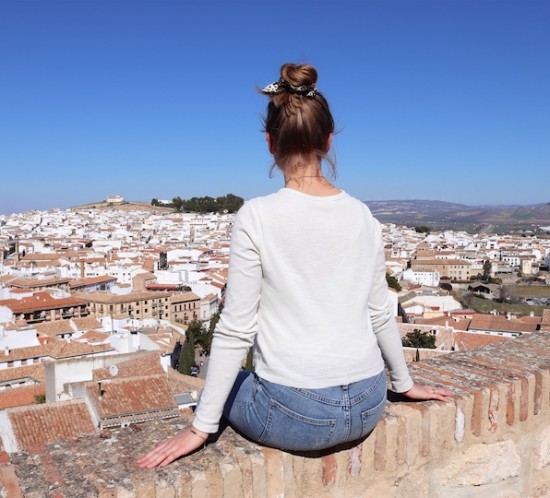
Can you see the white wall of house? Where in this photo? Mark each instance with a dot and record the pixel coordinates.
(6, 315)
(13, 339)
(428, 278)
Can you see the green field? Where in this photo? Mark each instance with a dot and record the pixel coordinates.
(529, 290)
(481, 305)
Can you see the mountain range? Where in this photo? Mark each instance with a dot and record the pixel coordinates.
(420, 212)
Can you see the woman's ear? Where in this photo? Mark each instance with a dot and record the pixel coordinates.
(329, 143)
(269, 143)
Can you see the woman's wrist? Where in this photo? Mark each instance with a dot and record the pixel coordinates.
(200, 434)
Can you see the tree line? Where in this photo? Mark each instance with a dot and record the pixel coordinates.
(226, 203)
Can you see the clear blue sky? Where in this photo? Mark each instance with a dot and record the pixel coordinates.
(445, 99)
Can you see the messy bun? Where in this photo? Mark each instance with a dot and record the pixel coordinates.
(298, 119)
(299, 75)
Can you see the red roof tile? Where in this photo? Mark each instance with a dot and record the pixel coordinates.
(35, 426)
(121, 397)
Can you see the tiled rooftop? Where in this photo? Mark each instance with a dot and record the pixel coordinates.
(136, 395)
(35, 426)
(20, 396)
(40, 301)
(145, 364)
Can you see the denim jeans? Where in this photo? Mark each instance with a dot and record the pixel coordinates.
(299, 419)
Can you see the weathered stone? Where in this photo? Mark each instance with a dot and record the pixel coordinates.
(354, 462)
(459, 424)
(542, 449)
(329, 469)
(483, 464)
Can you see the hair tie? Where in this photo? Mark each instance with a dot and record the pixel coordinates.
(284, 86)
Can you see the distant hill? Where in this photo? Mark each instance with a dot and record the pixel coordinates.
(417, 212)
(124, 206)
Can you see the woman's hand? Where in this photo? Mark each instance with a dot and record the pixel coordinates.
(423, 393)
(165, 453)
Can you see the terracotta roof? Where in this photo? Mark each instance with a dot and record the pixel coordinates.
(40, 257)
(171, 287)
(30, 283)
(35, 372)
(87, 323)
(55, 349)
(439, 262)
(135, 395)
(83, 282)
(20, 396)
(184, 298)
(106, 298)
(500, 323)
(465, 341)
(35, 426)
(443, 321)
(40, 301)
(93, 336)
(144, 364)
(180, 383)
(57, 327)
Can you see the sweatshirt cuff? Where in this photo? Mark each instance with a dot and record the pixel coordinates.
(403, 385)
(205, 427)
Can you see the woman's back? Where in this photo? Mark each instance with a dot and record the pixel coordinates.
(318, 257)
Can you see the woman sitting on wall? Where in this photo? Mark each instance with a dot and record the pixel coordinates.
(307, 289)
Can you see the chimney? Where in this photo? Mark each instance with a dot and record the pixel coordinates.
(82, 269)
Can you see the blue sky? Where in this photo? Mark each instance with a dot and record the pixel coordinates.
(441, 100)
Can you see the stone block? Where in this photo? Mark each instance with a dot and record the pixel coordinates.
(483, 464)
(542, 449)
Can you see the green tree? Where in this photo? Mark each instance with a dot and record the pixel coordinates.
(177, 202)
(487, 267)
(249, 364)
(187, 355)
(422, 229)
(40, 398)
(392, 282)
(419, 339)
(154, 202)
(201, 335)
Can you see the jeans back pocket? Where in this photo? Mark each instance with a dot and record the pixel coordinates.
(289, 430)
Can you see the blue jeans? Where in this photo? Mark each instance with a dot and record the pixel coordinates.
(298, 419)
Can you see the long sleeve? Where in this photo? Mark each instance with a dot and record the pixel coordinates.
(238, 324)
(385, 326)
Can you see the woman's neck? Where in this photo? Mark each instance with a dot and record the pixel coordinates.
(310, 180)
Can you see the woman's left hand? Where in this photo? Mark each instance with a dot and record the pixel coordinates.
(424, 393)
(165, 453)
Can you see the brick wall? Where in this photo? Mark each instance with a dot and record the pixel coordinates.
(492, 440)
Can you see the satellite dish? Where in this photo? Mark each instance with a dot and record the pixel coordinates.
(113, 370)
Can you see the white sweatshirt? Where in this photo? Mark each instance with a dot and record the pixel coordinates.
(307, 286)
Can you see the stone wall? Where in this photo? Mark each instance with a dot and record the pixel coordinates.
(492, 440)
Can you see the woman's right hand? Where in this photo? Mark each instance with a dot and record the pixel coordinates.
(424, 393)
(180, 445)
